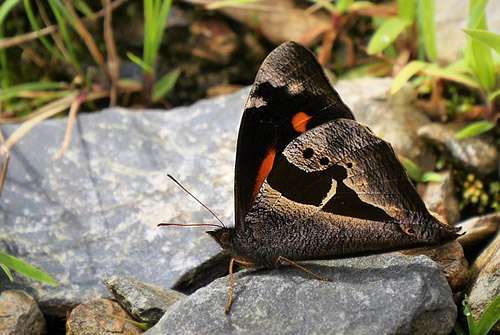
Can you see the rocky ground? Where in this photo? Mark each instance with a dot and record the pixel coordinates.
(92, 217)
(89, 219)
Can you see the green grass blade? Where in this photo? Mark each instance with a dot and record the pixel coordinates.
(65, 34)
(406, 9)
(491, 315)
(139, 62)
(6, 7)
(7, 272)
(12, 91)
(83, 8)
(165, 84)
(161, 23)
(477, 54)
(487, 37)
(386, 34)
(450, 75)
(4, 65)
(25, 269)
(148, 33)
(32, 20)
(482, 64)
(433, 177)
(406, 73)
(468, 314)
(427, 27)
(413, 170)
(475, 129)
(477, 13)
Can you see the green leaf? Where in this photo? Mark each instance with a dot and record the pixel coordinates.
(165, 84)
(450, 75)
(487, 37)
(139, 62)
(413, 170)
(406, 9)
(427, 26)
(25, 269)
(7, 272)
(491, 315)
(430, 176)
(474, 129)
(406, 73)
(386, 34)
(477, 54)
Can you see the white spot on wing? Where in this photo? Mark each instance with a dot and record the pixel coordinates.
(295, 88)
(330, 194)
(256, 102)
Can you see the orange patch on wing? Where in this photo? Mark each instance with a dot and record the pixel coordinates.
(264, 169)
(299, 121)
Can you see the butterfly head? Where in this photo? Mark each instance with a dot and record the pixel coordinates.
(223, 236)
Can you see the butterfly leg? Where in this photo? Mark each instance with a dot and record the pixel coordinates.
(292, 263)
(231, 279)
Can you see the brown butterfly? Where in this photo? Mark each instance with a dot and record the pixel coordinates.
(311, 182)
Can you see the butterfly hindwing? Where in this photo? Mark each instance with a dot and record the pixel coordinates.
(344, 181)
(291, 95)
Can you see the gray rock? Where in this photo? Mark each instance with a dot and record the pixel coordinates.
(450, 36)
(485, 284)
(478, 154)
(478, 229)
(145, 302)
(95, 211)
(394, 118)
(19, 314)
(380, 294)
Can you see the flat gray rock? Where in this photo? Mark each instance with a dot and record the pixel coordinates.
(379, 294)
(95, 211)
(146, 302)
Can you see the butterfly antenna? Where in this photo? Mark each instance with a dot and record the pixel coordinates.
(201, 203)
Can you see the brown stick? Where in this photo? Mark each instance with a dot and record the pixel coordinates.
(89, 40)
(113, 60)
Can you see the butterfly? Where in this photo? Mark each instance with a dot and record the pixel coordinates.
(310, 181)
